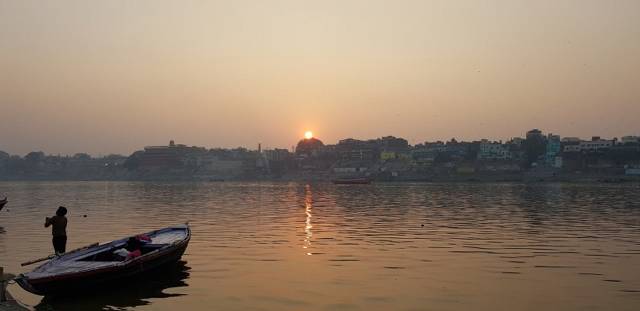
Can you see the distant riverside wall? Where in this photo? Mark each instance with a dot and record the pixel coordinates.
(306, 177)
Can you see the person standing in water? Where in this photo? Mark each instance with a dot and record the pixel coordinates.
(58, 225)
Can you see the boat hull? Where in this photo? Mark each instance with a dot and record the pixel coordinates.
(71, 284)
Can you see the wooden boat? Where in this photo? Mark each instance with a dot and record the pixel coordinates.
(352, 181)
(96, 265)
(3, 202)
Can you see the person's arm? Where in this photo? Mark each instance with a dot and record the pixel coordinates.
(47, 222)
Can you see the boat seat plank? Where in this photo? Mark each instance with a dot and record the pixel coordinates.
(70, 267)
(168, 237)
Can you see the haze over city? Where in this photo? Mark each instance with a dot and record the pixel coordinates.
(112, 76)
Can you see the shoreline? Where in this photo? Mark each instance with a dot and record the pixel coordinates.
(590, 179)
(12, 304)
(9, 303)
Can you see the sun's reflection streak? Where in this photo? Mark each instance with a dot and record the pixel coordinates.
(307, 210)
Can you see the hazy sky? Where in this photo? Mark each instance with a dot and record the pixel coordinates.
(114, 76)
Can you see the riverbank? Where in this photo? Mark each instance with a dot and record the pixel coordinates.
(12, 305)
(528, 177)
(7, 302)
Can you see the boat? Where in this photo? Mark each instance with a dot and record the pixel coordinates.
(3, 202)
(351, 181)
(96, 266)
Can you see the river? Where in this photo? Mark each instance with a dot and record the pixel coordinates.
(319, 246)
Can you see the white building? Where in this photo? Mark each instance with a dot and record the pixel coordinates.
(596, 144)
(630, 139)
(493, 151)
(572, 148)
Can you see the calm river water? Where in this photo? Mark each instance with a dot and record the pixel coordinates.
(296, 246)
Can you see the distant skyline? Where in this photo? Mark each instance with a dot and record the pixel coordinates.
(113, 76)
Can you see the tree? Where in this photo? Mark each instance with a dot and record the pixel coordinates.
(133, 161)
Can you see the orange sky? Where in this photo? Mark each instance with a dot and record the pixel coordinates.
(113, 76)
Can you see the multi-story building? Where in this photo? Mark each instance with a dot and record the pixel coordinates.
(493, 151)
(388, 155)
(277, 154)
(169, 157)
(423, 156)
(573, 144)
(357, 150)
(570, 140)
(454, 149)
(211, 165)
(553, 150)
(535, 133)
(516, 141)
(630, 139)
(596, 144)
(392, 144)
(161, 156)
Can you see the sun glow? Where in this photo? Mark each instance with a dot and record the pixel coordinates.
(308, 134)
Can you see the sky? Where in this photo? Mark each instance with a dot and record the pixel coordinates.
(114, 76)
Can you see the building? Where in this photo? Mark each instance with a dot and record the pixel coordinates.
(596, 144)
(393, 144)
(277, 154)
(573, 144)
(493, 151)
(632, 171)
(423, 156)
(570, 140)
(173, 156)
(517, 141)
(452, 149)
(309, 147)
(357, 150)
(388, 155)
(534, 134)
(211, 165)
(630, 139)
(572, 148)
(161, 156)
(553, 150)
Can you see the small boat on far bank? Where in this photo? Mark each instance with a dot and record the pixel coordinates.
(352, 181)
(95, 265)
(3, 202)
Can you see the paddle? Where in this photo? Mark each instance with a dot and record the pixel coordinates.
(54, 255)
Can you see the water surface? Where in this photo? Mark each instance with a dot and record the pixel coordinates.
(296, 246)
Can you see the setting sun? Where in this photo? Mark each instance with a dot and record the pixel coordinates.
(308, 134)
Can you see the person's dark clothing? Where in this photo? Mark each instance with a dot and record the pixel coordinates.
(59, 231)
(60, 244)
(58, 225)
(133, 244)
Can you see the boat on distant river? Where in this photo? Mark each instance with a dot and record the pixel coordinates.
(352, 181)
(96, 265)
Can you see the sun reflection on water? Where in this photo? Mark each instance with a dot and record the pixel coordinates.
(307, 210)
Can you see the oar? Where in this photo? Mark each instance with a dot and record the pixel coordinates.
(54, 255)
